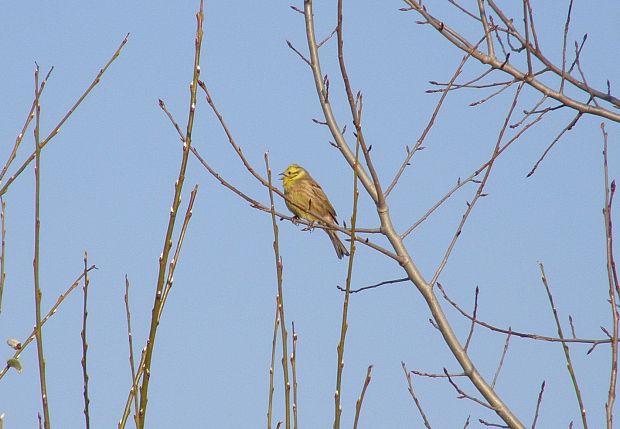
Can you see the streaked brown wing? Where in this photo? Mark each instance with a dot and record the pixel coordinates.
(326, 206)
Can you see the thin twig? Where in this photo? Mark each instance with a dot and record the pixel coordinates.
(462, 43)
(356, 115)
(177, 251)
(64, 119)
(538, 402)
(133, 393)
(517, 333)
(493, 94)
(569, 363)
(501, 360)
(473, 322)
(278, 260)
(614, 288)
(360, 400)
(463, 395)
(132, 365)
(2, 252)
(459, 184)
(329, 36)
(273, 361)
(430, 124)
(334, 128)
(376, 285)
(61, 298)
(29, 118)
(479, 193)
(414, 397)
(294, 374)
(344, 325)
(304, 59)
(35, 263)
(437, 375)
(85, 343)
(568, 127)
(564, 42)
(176, 201)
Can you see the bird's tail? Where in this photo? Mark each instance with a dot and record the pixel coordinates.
(338, 245)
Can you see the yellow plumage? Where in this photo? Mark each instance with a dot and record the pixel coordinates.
(308, 201)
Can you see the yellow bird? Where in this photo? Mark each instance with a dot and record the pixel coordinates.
(310, 202)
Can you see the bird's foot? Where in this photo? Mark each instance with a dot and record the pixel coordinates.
(310, 227)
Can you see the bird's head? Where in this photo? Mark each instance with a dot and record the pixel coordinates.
(292, 172)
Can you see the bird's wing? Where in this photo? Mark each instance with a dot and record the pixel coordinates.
(320, 196)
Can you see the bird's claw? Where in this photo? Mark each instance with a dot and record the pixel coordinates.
(310, 227)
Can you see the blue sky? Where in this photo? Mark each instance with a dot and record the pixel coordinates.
(108, 183)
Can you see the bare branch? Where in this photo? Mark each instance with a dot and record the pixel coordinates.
(64, 119)
(501, 360)
(360, 400)
(517, 333)
(304, 59)
(373, 286)
(538, 402)
(463, 395)
(479, 194)
(61, 298)
(84, 343)
(612, 277)
(463, 44)
(414, 397)
(274, 340)
(473, 322)
(132, 365)
(280, 297)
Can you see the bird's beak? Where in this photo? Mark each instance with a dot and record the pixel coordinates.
(281, 175)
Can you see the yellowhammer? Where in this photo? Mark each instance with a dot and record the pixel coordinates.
(310, 202)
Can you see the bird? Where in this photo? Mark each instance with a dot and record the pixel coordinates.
(307, 200)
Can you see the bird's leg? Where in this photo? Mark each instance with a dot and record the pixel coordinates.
(310, 227)
(295, 219)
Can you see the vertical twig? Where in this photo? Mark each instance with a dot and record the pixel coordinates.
(414, 397)
(276, 251)
(273, 362)
(360, 400)
(357, 120)
(538, 402)
(528, 46)
(487, 31)
(177, 252)
(132, 365)
(85, 343)
(35, 262)
(345, 304)
(501, 360)
(2, 253)
(294, 372)
(613, 284)
(473, 320)
(176, 201)
(133, 393)
(569, 363)
(566, 26)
